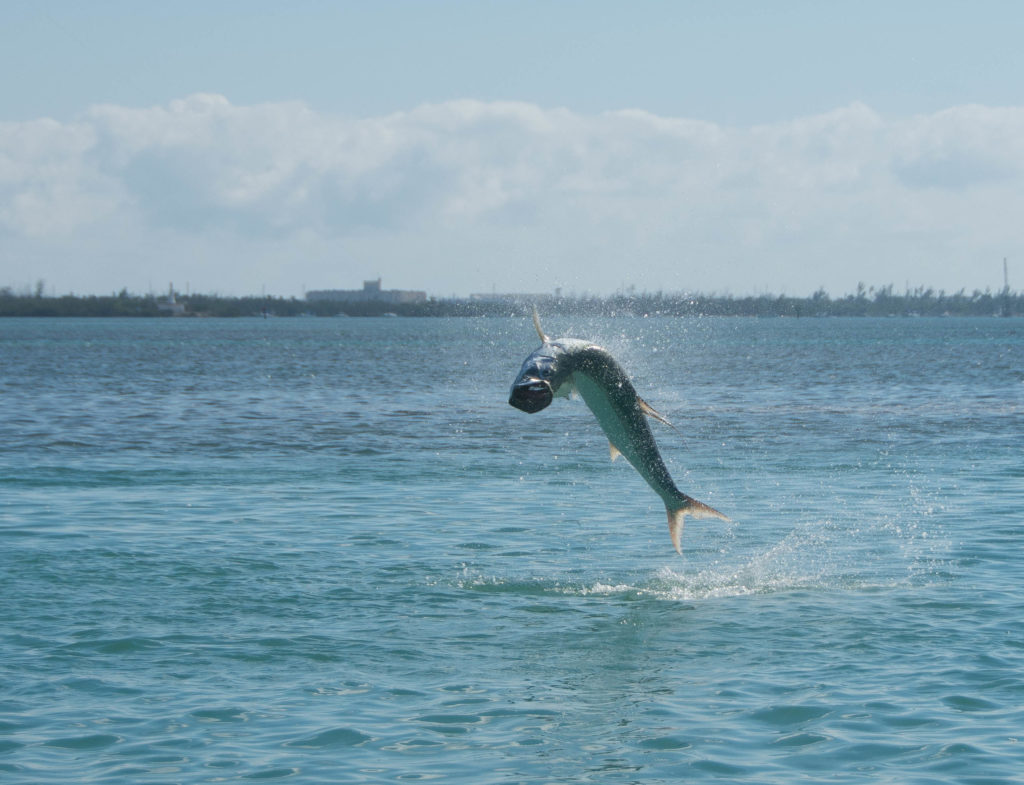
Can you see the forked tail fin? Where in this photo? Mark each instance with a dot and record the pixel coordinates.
(687, 506)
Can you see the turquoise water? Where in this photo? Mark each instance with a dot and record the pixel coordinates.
(329, 551)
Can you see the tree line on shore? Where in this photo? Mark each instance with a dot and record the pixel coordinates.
(882, 301)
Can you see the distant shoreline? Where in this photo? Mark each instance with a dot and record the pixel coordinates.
(881, 302)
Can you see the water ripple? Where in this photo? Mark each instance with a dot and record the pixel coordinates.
(223, 561)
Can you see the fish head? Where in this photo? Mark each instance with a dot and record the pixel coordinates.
(538, 381)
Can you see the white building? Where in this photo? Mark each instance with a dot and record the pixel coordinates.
(370, 293)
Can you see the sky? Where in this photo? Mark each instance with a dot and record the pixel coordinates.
(460, 147)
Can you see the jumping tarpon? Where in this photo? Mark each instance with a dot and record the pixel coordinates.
(566, 365)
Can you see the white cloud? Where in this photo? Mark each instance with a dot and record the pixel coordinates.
(47, 185)
(464, 195)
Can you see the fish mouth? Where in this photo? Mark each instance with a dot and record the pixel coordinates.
(531, 395)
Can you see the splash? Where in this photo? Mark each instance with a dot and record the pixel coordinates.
(815, 556)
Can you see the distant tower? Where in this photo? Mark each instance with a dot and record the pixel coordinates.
(1006, 289)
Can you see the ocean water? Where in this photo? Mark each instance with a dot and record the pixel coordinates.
(327, 550)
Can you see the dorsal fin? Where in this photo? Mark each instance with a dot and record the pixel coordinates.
(536, 323)
(651, 412)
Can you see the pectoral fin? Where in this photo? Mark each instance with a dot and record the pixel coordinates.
(536, 324)
(614, 451)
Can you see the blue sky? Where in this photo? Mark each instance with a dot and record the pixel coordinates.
(458, 147)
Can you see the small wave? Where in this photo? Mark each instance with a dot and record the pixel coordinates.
(89, 741)
(228, 714)
(334, 737)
